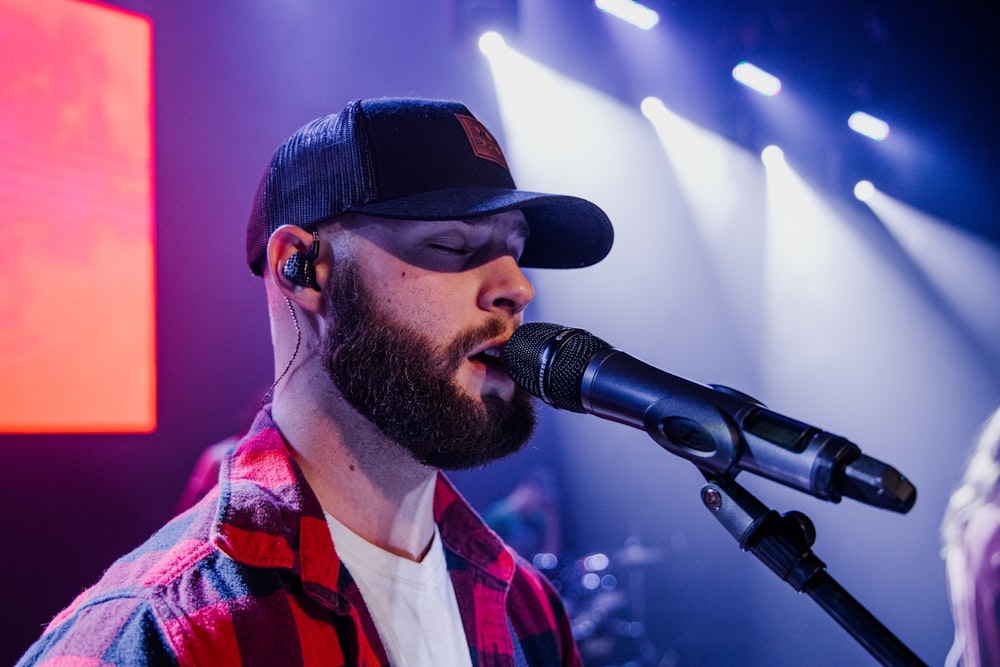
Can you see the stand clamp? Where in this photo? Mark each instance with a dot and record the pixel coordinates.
(783, 543)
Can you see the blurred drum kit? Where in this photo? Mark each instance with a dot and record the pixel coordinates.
(605, 598)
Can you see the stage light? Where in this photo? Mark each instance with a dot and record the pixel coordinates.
(754, 77)
(473, 18)
(772, 156)
(631, 12)
(651, 107)
(869, 126)
(545, 561)
(719, 182)
(864, 191)
(963, 271)
(491, 43)
(596, 562)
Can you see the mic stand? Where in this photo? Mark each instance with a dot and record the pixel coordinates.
(782, 542)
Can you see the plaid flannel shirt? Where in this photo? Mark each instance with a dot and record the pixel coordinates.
(250, 576)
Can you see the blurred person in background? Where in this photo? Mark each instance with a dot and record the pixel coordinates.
(970, 533)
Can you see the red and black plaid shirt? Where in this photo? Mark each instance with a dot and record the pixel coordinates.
(249, 576)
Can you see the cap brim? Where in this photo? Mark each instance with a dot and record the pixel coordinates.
(565, 232)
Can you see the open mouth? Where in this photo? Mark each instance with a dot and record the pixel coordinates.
(491, 357)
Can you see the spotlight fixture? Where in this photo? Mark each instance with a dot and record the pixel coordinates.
(754, 77)
(772, 156)
(651, 106)
(472, 18)
(631, 12)
(864, 190)
(869, 126)
(491, 42)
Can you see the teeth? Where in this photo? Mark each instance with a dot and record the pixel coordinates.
(494, 352)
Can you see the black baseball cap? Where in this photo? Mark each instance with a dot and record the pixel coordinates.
(415, 159)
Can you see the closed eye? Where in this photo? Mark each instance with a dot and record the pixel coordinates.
(451, 250)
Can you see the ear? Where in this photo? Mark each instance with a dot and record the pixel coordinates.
(298, 265)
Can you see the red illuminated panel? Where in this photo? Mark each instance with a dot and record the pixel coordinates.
(77, 327)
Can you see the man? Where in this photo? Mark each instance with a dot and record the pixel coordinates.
(390, 238)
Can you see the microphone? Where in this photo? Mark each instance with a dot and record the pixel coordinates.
(721, 430)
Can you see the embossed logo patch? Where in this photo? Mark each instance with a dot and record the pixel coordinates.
(482, 142)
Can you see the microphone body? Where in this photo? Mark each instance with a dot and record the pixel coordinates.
(721, 430)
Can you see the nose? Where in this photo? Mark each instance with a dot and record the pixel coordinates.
(505, 287)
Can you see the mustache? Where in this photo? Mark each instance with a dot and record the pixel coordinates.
(467, 341)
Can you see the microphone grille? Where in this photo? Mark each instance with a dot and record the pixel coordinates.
(548, 360)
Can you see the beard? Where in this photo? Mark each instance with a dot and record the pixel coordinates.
(404, 384)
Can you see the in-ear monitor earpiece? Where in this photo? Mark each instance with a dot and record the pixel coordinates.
(299, 267)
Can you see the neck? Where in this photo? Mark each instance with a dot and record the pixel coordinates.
(370, 484)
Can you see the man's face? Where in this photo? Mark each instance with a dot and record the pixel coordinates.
(411, 316)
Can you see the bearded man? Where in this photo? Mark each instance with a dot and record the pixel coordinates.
(391, 240)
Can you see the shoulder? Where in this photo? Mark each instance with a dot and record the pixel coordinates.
(132, 615)
(111, 630)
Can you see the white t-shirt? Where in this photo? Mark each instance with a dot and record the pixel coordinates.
(413, 604)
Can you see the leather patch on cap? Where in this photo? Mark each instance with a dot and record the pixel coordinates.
(482, 142)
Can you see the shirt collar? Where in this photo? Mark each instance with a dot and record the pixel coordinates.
(269, 517)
